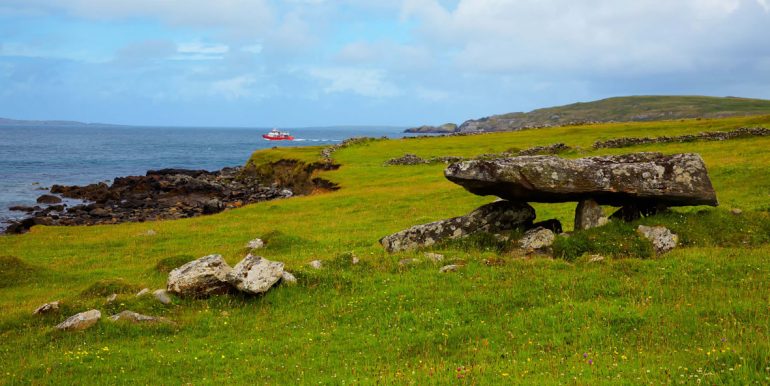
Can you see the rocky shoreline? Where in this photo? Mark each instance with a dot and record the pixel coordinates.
(159, 195)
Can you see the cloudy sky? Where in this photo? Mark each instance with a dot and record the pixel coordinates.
(387, 62)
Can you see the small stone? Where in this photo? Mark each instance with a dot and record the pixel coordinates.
(80, 321)
(404, 262)
(162, 296)
(143, 292)
(255, 244)
(448, 268)
(133, 317)
(435, 257)
(537, 239)
(111, 299)
(662, 239)
(288, 278)
(595, 258)
(589, 214)
(150, 232)
(354, 259)
(47, 308)
(736, 211)
(317, 264)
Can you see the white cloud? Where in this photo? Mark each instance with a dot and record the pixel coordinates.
(202, 48)
(765, 4)
(365, 82)
(234, 88)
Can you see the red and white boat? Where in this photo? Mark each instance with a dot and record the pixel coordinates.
(276, 135)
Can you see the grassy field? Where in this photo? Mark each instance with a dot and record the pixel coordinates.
(698, 314)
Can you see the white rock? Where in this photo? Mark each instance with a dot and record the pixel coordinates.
(111, 299)
(47, 308)
(288, 278)
(143, 292)
(317, 264)
(255, 244)
(435, 257)
(449, 268)
(405, 262)
(661, 238)
(255, 274)
(162, 296)
(589, 214)
(80, 321)
(200, 278)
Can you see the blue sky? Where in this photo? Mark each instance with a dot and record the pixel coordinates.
(353, 62)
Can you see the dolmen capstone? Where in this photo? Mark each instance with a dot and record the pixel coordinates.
(641, 184)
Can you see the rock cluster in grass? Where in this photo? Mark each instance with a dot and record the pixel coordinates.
(744, 132)
(160, 194)
(641, 184)
(211, 275)
(412, 159)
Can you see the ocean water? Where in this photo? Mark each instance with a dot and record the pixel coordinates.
(34, 158)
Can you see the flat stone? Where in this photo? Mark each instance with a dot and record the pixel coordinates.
(133, 317)
(80, 321)
(736, 211)
(435, 257)
(47, 308)
(662, 239)
(111, 299)
(143, 292)
(405, 262)
(589, 214)
(255, 274)
(495, 217)
(200, 278)
(449, 268)
(673, 180)
(317, 264)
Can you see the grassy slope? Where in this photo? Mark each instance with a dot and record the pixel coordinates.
(634, 108)
(699, 312)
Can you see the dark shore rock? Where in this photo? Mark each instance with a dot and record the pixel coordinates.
(632, 179)
(48, 199)
(160, 194)
(495, 217)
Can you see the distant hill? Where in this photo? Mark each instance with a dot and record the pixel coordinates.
(620, 109)
(18, 122)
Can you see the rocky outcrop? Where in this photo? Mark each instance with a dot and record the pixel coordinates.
(639, 178)
(744, 132)
(445, 128)
(161, 194)
(662, 239)
(200, 278)
(80, 321)
(48, 199)
(406, 159)
(255, 274)
(495, 217)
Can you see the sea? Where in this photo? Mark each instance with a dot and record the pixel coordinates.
(32, 158)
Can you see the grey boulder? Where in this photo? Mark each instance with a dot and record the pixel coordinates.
(80, 321)
(537, 239)
(662, 239)
(200, 278)
(47, 308)
(497, 216)
(133, 317)
(255, 274)
(639, 178)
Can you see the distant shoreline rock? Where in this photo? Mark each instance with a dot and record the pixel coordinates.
(445, 128)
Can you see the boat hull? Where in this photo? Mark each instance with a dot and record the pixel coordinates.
(281, 138)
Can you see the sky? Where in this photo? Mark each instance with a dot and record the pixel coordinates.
(299, 63)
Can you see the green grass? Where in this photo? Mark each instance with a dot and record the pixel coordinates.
(700, 312)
